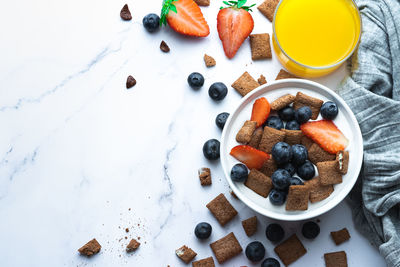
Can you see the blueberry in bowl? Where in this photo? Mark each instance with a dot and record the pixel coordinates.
(300, 154)
(329, 110)
(286, 114)
(303, 114)
(281, 179)
(239, 173)
(277, 197)
(282, 152)
(292, 125)
(306, 171)
(274, 122)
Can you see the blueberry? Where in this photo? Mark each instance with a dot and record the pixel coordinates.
(274, 122)
(239, 173)
(300, 154)
(195, 80)
(310, 230)
(329, 110)
(151, 22)
(289, 167)
(282, 152)
(211, 149)
(292, 125)
(306, 171)
(303, 114)
(296, 181)
(277, 197)
(220, 120)
(218, 91)
(203, 230)
(286, 114)
(281, 179)
(270, 262)
(255, 251)
(274, 232)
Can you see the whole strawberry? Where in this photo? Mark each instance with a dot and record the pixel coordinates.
(234, 24)
(184, 17)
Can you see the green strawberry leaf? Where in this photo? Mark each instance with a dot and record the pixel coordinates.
(167, 6)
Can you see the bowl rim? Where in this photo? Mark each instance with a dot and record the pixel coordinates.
(304, 215)
(317, 67)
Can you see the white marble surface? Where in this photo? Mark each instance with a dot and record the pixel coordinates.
(78, 150)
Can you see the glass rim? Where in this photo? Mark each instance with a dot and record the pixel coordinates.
(317, 67)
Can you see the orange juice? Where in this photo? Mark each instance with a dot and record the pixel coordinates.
(313, 37)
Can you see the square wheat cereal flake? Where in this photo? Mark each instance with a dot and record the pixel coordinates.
(222, 210)
(226, 248)
(260, 46)
(245, 84)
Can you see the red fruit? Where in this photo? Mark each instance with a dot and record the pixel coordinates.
(251, 157)
(185, 17)
(326, 134)
(234, 25)
(261, 110)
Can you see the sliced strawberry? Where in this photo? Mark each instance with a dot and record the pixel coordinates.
(234, 25)
(185, 17)
(326, 134)
(261, 110)
(251, 157)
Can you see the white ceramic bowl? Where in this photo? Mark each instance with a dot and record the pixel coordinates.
(345, 121)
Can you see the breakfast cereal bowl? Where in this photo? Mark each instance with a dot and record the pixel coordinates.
(345, 121)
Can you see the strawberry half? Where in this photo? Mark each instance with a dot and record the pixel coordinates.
(234, 24)
(251, 157)
(326, 134)
(261, 110)
(185, 17)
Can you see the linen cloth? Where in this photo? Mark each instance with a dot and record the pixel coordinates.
(373, 93)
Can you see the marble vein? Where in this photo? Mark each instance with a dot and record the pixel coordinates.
(165, 200)
(97, 59)
(30, 157)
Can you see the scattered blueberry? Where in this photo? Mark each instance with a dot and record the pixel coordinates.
(286, 114)
(281, 179)
(274, 122)
(255, 251)
(270, 262)
(218, 91)
(195, 80)
(292, 125)
(306, 171)
(239, 173)
(296, 181)
(151, 22)
(329, 110)
(289, 167)
(203, 230)
(310, 230)
(221, 118)
(300, 154)
(274, 232)
(303, 114)
(211, 149)
(277, 197)
(282, 152)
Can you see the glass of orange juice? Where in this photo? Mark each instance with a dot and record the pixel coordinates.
(314, 37)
